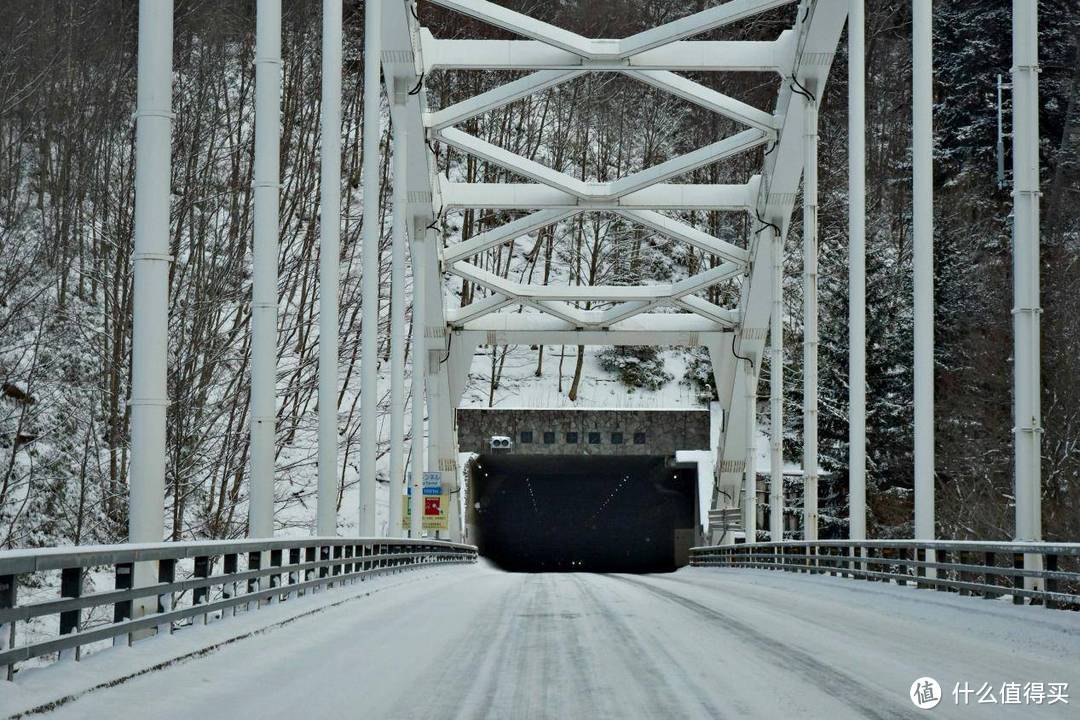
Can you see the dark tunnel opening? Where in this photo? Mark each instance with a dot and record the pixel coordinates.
(543, 513)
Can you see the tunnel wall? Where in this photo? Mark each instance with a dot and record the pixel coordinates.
(642, 432)
(633, 513)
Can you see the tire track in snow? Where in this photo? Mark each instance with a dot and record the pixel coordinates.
(661, 697)
(867, 699)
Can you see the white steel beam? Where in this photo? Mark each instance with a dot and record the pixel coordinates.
(419, 376)
(504, 233)
(769, 236)
(515, 163)
(683, 56)
(150, 309)
(750, 471)
(524, 25)
(922, 163)
(677, 230)
(674, 196)
(498, 97)
(596, 293)
(713, 152)
(1027, 410)
(264, 267)
(725, 317)
(478, 308)
(329, 267)
(706, 97)
(603, 192)
(648, 329)
(397, 321)
(819, 28)
(696, 24)
(369, 280)
(810, 323)
(612, 50)
(856, 271)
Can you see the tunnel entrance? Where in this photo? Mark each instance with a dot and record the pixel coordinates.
(544, 513)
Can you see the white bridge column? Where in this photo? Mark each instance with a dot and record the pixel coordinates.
(329, 267)
(150, 326)
(856, 272)
(776, 388)
(750, 469)
(419, 371)
(397, 320)
(923, 260)
(810, 323)
(369, 281)
(264, 267)
(1027, 430)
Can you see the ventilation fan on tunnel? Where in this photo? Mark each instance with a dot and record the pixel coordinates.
(501, 444)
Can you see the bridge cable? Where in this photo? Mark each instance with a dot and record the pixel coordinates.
(802, 89)
(419, 85)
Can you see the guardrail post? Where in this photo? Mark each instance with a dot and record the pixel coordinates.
(275, 579)
(961, 573)
(124, 575)
(943, 557)
(989, 577)
(229, 564)
(70, 587)
(1050, 584)
(920, 570)
(166, 574)
(254, 563)
(200, 595)
(1018, 580)
(324, 570)
(8, 590)
(294, 574)
(336, 567)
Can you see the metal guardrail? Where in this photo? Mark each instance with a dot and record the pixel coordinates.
(251, 573)
(986, 569)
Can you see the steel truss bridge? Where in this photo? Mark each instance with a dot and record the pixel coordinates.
(187, 589)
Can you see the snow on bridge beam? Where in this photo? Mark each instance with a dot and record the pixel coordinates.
(606, 49)
(684, 56)
(673, 196)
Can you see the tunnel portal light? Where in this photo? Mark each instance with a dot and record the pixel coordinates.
(501, 444)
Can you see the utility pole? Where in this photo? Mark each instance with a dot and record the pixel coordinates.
(776, 386)
(150, 261)
(397, 314)
(264, 267)
(419, 370)
(329, 259)
(856, 272)
(923, 260)
(810, 318)
(1027, 430)
(369, 281)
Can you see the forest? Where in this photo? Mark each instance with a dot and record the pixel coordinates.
(67, 99)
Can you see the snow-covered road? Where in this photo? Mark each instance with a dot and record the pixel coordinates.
(478, 643)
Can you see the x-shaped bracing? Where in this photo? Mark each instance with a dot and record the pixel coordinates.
(558, 196)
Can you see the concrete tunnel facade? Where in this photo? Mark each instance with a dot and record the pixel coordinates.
(592, 490)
